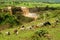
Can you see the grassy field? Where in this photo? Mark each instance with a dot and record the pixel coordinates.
(47, 15)
(27, 34)
(30, 4)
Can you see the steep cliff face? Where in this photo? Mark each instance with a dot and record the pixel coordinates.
(27, 13)
(25, 10)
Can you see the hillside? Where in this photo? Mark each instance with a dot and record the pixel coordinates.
(51, 1)
(53, 27)
(32, 20)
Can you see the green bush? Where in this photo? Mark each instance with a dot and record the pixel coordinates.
(7, 18)
(41, 32)
(13, 20)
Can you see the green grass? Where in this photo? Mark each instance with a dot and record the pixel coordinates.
(30, 4)
(27, 34)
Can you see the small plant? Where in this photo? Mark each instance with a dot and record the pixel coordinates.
(41, 33)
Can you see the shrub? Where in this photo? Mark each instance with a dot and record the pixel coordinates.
(41, 32)
(13, 20)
